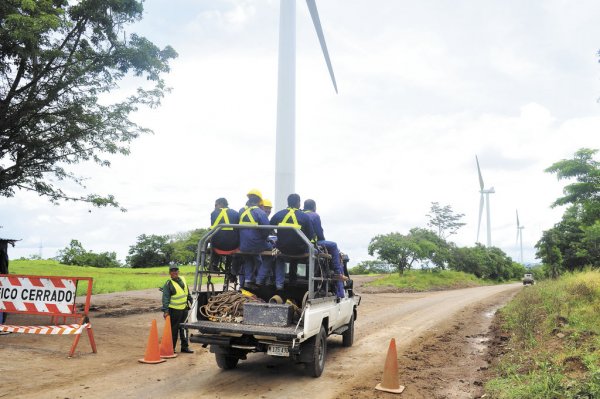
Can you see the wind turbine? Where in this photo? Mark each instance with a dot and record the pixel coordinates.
(484, 201)
(520, 236)
(285, 151)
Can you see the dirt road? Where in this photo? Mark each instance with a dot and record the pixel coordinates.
(440, 337)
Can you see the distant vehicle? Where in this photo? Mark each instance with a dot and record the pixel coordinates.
(528, 279)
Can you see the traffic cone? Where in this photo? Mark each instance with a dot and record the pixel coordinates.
(166, 343)
(152, 351)
(390, 372)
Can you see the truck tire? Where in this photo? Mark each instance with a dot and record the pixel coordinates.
(348, 335)
(226, 362)
(317, 346)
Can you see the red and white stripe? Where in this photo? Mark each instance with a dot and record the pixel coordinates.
(54, 284)
(65, 329)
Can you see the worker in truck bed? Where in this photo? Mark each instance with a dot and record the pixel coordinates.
(226, 239)
(288, 241)
(253, 241)
(310, 208)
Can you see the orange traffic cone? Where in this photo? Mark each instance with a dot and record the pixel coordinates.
(152, 351)
(390, 372)
(166, 343)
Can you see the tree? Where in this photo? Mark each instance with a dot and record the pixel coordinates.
(150, 251)
(76, 255)
(371, 266)
(402, 251)
(185, 246)
(587, 173)
(58, 58)
(444, 220)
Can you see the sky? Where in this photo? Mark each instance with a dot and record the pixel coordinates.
(424, 87)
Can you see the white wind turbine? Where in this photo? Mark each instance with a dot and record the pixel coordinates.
(285, 151)
(484, 201)
(520, 236)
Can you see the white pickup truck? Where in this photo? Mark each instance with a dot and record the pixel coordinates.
(296, 325)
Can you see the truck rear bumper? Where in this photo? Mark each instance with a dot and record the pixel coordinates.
(218, 331)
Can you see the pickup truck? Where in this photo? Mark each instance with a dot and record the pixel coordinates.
(528, 279)
(294, 323)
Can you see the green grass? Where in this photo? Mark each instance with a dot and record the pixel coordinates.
(106, 280)
(554, 346)
(417, 280)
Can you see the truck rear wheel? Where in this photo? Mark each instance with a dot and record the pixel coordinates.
(226, 362)
(317, 346)
(348, 335)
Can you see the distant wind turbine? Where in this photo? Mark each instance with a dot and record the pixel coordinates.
(484, 201)
(520, 236)
(285, 151)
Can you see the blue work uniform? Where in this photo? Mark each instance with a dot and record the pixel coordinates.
(226, 239)
(288, 241)
(253, 241)
(331, 247)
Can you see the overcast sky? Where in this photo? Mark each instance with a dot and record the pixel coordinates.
(423, 88)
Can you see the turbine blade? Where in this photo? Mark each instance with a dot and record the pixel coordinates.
(480, 213)
(518, 219)
(479, 172)
(314, 14)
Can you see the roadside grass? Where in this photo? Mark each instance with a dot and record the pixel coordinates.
(106, 280)
(554, 341)
(417, 280)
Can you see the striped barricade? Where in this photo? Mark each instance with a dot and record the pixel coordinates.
(46, 295)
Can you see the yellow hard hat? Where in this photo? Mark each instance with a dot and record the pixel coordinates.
(267, 202)
(255, 192)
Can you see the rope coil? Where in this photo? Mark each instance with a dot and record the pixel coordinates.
(227, 307)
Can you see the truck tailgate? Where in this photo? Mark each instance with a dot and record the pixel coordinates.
(211, 327)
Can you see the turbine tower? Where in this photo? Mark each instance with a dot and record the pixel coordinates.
(285, 151)
(520, 236)
(484, 201)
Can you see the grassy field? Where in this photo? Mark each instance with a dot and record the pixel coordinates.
(417, 280)
(554, 346)
(105, 279)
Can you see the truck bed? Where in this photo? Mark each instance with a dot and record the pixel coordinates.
(211, 327)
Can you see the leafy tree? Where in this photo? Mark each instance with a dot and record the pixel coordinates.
(444, 220)
(587, 173)
(58, 58)
(75, 254)
(371, 266)
(185, 246)
(487, 263)
(150, 251)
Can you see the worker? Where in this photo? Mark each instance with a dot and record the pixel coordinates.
(253, 241)
(288, 241)
(267, 206)
(227, 238)
(175, 303)
(310, 208)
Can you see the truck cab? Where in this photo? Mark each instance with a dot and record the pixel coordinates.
(294, 322)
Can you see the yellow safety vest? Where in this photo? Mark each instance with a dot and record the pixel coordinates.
(290, 215)
(179, 300)
(247, 213)
(222, 217)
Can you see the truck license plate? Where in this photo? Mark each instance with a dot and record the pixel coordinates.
(276, 350)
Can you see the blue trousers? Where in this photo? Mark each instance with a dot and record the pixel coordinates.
(333, 250)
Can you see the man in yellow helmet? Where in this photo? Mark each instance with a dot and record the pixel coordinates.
(175, 298)
(267, 206)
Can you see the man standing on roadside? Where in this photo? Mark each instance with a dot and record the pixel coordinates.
(175, 298)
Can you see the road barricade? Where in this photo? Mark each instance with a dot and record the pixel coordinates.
(53, 296)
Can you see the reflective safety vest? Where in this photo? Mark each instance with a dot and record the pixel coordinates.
(248, 215)
(291, 215)
(222, 217)
(179, 300)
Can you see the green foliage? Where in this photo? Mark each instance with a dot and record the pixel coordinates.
(106, 280)
(417, 280)
(444, 220)
(574, 242)
(57, 58)
(150, 251)
(371, 267)
(76, 255)
(487, 263)
(554, 346)
(185, 246)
